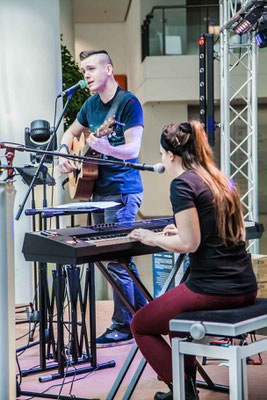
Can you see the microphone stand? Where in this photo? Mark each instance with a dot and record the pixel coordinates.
(74, 157)
(40, 167)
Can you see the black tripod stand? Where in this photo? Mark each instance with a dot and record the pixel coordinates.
(43, 179)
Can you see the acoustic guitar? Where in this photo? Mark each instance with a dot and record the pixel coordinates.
(81, 181)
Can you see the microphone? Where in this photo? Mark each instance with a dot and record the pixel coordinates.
(80, 85)
(158, 168)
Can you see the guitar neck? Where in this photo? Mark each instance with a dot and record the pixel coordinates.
(103, 130)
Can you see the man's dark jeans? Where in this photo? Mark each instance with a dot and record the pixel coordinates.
(125, 211)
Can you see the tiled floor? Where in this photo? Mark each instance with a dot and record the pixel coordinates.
(97, 384)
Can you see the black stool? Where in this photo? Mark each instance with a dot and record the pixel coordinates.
(229, 323)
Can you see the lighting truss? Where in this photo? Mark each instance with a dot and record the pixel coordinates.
(239, 135)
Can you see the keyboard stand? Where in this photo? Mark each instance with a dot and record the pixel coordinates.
(133, 352)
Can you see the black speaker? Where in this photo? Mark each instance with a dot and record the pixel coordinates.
(206, 85)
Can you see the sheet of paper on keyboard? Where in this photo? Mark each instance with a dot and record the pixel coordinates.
(88, 204)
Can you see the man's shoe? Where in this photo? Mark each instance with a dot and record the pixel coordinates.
(112, 337)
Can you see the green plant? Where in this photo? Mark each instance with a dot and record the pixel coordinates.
(71, 74)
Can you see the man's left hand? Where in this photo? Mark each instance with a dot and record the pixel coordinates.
(101, 145)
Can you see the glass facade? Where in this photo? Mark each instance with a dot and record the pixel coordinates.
(176, 30)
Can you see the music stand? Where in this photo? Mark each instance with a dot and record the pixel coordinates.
(27, 173)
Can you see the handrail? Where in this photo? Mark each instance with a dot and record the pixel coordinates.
(185, 6)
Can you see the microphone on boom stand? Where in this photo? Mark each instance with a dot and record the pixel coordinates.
(80, 85)
(158, 168)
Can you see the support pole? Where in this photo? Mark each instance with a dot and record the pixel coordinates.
(7, 294)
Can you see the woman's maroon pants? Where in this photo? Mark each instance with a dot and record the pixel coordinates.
(152, 321)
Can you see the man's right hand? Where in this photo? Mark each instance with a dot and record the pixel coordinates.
(65, 164)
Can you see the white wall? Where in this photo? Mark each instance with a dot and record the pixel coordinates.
(67, 24)
(135, 71)
(103, 36)
(169, 78)
(156, 187)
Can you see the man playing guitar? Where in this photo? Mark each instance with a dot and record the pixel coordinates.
(114, 182)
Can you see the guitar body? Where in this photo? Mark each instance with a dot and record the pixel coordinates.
(81, 181)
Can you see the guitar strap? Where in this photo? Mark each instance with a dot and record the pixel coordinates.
(115, 104)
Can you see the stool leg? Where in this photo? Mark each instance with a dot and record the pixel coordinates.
(235, 374)
(177, 370)
(244, 378)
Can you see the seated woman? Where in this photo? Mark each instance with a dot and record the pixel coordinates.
(208, 225)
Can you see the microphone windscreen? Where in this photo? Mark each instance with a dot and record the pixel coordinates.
(82, 84)
(159, 168)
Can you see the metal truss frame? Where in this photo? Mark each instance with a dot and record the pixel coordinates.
(239, 134)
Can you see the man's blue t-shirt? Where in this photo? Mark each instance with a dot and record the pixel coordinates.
(114, 179)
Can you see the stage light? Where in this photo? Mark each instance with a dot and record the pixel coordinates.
(201, 41)
(37, 137)
(39, 131)
(261, 35)
(261, 38)
(248, 21)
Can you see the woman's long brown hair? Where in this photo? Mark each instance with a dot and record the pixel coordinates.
(189, 141)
